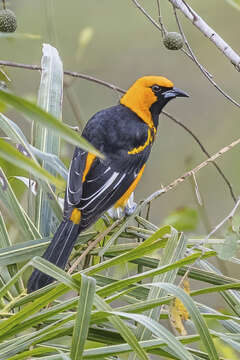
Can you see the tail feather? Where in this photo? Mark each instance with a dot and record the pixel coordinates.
(57, 253)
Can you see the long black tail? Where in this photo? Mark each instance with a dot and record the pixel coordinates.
(57, 253)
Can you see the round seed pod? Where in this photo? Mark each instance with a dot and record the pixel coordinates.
(173, 41)
(8, 21)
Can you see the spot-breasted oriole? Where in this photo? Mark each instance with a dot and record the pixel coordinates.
(124, 134)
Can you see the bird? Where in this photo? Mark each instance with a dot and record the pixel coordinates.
(124, 134)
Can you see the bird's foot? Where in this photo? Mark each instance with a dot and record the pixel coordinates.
(118, 213)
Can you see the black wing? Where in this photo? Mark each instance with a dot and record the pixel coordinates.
(114, 133)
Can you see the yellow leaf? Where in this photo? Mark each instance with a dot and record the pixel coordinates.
(178, 312)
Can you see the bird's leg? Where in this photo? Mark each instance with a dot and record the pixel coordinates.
(118, 213)
(130, 206)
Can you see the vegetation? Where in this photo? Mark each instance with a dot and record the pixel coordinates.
(133, 290)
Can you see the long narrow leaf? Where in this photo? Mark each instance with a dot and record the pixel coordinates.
(196, 317)
(49, 99)
(80, 332)
(9, 199)
(174, 250)
(9, 153)
(37, 114)
(25, 251)
(16, 135)
(123, 329)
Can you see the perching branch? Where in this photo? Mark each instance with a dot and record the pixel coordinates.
(207, 31)
(204, 151)
(185, 176)
(92, 245)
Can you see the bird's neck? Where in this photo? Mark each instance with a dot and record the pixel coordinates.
(155, 111)
(135, 102)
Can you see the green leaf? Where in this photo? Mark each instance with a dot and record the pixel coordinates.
(183, 219)
(120, 284)
(16, 135)
(123, 329)
(196, 317)
(43, 350)
(148, 246)
(174, 251)
(160, 331)
(50, 97)
(9, 199)
(35, 113)
(4, 237)
(230, 246)
(153, 346)
(234, 3)
(80, 332)
(9, 153)
(25, 251)
(5, 241)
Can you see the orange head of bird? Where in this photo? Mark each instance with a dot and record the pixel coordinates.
(148, 95)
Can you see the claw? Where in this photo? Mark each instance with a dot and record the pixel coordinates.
(118, 213)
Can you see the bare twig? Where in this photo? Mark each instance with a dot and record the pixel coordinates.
(190, 54)
(228, 217)
(93, 245)
(199, 246)
(148, 16)
(69, 73)
(205, 73)
(160, 18)
(203, 150)
(207, 31)
(188, 46)
(185, 176)
(156, 24)
(4, 4)
(75, 106)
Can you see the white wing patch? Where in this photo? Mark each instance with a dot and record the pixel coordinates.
(102, 189)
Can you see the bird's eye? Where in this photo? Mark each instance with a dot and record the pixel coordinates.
(156, 88)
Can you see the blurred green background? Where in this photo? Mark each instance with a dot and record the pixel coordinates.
(125, 46)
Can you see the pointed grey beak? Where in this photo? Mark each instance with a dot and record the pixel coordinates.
(174, 92)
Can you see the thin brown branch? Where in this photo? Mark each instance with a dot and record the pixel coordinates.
(148, 16)
(122, 91)
(160, 20)
(203, 150)
(185, 176)
(92, 245)
(69, 73)
(4, 4)
(228, 217)
(203, 70)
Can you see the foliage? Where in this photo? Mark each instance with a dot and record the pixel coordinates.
(115, 306)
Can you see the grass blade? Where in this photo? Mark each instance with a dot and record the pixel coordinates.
(49, 99)
(196, 317)
(80, 332)
(9, 199)
(25, 251)
(123, 329)
(12, 155)
(16, 135)
(35, 113)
